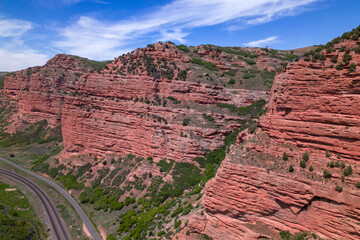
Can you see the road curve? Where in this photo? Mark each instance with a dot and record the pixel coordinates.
(90, 227)
(57, 226)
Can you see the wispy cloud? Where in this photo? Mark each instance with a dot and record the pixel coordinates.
(261, 42)
(100, 40)
(14, 55)
(16, 59)
(14, 27)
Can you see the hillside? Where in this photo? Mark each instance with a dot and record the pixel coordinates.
(164, 142)
(299, 174)
(144, 132)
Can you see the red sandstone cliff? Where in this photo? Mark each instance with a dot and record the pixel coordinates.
(314, 106)
(125, 107)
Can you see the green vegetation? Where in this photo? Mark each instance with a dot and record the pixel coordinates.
(303, 164)
(183, 48)
(338, 188)
(186, 121)
(286, 235)
(37, 132)
(285, 156)
(165, 166)
(231, 81)
(253, 110)
(95, 65)
(70, 182)
(17, 217)
(2, 79)
(291, 168)
(208, 65)
(305, 156)
(327, 173)
(208, 117)
(231, 72)
(348, 171)
(352, 67)
(311, 168)
(174, 100)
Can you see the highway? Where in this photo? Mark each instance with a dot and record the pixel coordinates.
(90, 227)
(57, 226)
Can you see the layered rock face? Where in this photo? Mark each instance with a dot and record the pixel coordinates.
(140, 103)
(314, 106)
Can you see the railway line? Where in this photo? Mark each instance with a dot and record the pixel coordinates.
(57, 225)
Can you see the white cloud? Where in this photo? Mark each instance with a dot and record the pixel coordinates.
(13, 60)
(14, 27)
(14, 55)
(261, 42)
(103, 40)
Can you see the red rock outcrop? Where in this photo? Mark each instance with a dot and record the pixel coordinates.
(136, 104)
(313, 107)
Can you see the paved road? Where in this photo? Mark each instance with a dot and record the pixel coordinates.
(90, 227)
(57, 226)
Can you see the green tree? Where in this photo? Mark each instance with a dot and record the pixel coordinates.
(305, 156)
(303, 164)
(348, 171)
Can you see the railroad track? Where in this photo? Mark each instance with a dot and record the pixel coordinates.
(57, 225)
(86, 221)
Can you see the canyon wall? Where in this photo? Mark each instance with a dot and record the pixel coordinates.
(136, 104)
(313, 109)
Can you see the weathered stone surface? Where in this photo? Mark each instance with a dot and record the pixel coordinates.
(116, 111)
(313, 107)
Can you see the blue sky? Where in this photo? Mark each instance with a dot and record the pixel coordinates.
(33, 31)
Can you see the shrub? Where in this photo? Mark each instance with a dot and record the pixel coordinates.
(250, 62)
(164, 166)
(352, 67)
(305, 156)
(346, 58)
(129, 200)
(337, 164)
(327, 174)
(186, 122)
(231, 72)
(291, 168)
(177, 224)
(183, 48)
(357, 185)
(174, 100)
(110, 237)
(311, 168)
(303, 164)
(285, 235)
(231, 81)
(186, 175)
(285, 156)
(201, 161)
(338, 188)
(331, 164)
(348, 171)
(182, 75)
(12, 155)
(340, 66)
(208, 65)
(208, 117)
(334, 59)
(327, 154)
